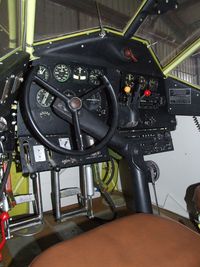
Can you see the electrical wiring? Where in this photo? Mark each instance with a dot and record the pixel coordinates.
(196, 122)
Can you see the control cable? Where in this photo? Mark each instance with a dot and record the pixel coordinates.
(101, 186)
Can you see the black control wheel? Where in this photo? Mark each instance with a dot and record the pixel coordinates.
(72, 110)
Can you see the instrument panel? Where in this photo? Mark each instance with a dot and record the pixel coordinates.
(75, 70)
(62, 73)
(73, 80)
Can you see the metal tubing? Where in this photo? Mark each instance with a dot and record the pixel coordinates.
(182, 56)
(12, 19)
(73, 213)
(138, 19)
(36, 218)
(30, 25)
(25, 222)
(89, 180)
(56, 194)
(38, 195)
(22, 226)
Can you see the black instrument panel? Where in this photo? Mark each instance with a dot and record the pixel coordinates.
(75, 69)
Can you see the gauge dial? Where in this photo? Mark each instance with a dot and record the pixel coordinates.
(143, 82)
(153, 84)
(61, 72)
(43, 72)
(69, 93)
(80, 74)
(93, 102)
(129, 79)
(44, 98)
(94, 76)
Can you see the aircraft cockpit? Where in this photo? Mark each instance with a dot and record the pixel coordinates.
(93, 95)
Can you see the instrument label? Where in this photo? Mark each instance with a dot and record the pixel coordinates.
(180, 96)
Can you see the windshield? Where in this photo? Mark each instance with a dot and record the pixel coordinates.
(171, 32)
(10, 19)
(59, 17)
(189, 69)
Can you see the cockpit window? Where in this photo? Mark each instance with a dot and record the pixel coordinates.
(169, 33)
(189, 69)
(10, 25)
(59, 17)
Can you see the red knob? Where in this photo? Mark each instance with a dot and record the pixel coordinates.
(147, 92)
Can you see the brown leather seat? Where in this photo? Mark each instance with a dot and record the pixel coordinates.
(140, 240)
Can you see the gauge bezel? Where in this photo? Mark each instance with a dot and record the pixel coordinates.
(39, 103)
(69, 72)
(80, 80)
(132, 82)
(101, 72)
(47, 69)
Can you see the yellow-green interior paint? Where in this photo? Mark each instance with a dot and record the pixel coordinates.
(110, 185)
(23, 17)
(10, 54)
(135, 15)
(12, 23)
(185, 82)
(4, 29)
(63, 37)
(182, 56)
(30, 25)
(20, 186)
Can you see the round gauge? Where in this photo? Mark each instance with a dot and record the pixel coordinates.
(43, 72)
(69, 93)
(153, 84)
(61, 73)
(143, 82)
(44, 98)
(93, 102)
(94, 76)
(80, 74)
(129, 79)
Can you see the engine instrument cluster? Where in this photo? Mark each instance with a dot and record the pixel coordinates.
(62, 73)
(78, 79)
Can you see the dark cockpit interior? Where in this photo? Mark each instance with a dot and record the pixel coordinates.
(74, 101)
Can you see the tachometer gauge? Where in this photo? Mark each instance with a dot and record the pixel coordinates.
(43, 72)
(94, 76)
(61, 72)
(142, 82)
(153, 84)
(80, 74)
(44, 98)
(129, 79)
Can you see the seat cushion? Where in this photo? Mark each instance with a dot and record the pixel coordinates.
(140, 240)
